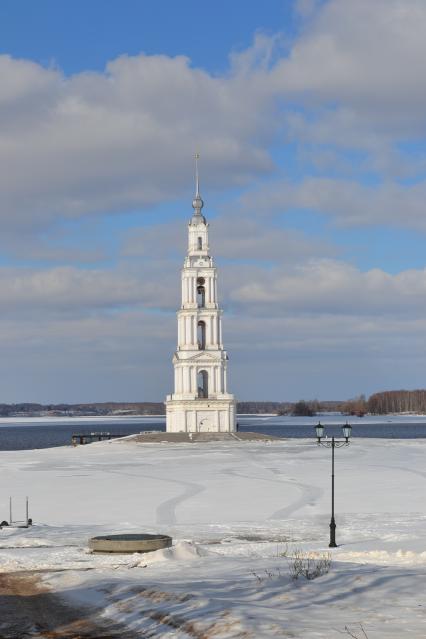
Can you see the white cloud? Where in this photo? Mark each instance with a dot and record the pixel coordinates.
(347, 201)
(124, 356)
(367, 56)
(97, 142)
(311, 286)
(329, 286)
(306, 8)
(76, 290)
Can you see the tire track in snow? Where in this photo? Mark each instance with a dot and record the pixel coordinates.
(309, 493)
(404, 469)
(166, 511)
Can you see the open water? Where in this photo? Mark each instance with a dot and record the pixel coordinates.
(19, 434)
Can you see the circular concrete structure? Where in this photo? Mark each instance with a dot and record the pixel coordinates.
(129, 543)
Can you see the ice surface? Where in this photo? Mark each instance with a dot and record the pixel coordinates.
(237, 514)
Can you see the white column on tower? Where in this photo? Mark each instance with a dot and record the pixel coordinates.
(218, 384)
(192, 289)
(211, 337)
(188, 330)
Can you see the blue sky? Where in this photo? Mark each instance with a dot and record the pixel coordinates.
(80, 35)
(309, 117)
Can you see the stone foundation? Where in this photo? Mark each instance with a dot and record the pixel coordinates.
(200, 416)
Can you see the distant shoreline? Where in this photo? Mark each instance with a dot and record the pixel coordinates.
(247, 409)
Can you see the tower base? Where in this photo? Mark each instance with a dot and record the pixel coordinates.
(200, 415)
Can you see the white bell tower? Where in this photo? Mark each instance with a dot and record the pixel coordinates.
(200, 401)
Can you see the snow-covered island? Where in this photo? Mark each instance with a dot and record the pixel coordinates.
(240, 515)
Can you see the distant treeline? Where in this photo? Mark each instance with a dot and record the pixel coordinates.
(256, 408)
(75, 410)
(290, 408)
(149, 408)
(401, 401)
(127, 408)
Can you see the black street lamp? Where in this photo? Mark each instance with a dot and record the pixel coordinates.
(334, 443)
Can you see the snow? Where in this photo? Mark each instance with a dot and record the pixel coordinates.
(337, 419)
(238, 514)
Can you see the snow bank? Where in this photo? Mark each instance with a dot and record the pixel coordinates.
(182, 551)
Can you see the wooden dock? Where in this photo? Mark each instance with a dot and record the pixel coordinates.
(88, 438)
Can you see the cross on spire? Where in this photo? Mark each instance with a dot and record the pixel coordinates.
(197, 182)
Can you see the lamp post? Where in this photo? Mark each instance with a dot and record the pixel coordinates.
(334, 443)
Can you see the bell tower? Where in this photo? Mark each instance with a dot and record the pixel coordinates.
(200, 401)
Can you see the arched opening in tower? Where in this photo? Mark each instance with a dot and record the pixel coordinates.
(201, 292)
(200, 244)
(201, 335)
(202, 383)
